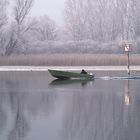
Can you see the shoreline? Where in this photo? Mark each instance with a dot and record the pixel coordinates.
(71, 68)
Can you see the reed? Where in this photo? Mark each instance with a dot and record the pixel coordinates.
(69, 60)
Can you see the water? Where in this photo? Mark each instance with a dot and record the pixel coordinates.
(34, 107)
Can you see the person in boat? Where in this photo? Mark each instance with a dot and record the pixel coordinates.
(83, 71)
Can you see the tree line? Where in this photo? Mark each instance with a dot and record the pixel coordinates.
(20, 29)
(95, 20)
(103, 20)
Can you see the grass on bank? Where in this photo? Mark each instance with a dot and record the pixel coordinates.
(69, 60)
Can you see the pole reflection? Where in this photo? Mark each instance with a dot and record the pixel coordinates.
(127, 93)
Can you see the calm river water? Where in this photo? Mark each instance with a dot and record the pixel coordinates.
(34, 107)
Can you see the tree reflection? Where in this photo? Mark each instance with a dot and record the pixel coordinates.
(90, 118)
(3, 118)
(102, 116)
(20, 125)
(26, 99)
(3, 108)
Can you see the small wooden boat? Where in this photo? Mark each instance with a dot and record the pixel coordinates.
(70, 75)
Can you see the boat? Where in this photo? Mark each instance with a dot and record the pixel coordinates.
(59, 74)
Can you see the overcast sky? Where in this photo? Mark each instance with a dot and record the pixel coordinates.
(53, 8)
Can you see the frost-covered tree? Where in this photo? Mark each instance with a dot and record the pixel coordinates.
(89, 19)
(45, 28)
(103, 20)
(21, 11)
(3, 23)
(76, 18)
(135, 17)
(3, 17)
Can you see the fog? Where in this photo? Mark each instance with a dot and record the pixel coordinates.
(53, 8)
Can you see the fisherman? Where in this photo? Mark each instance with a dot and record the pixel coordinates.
(83, 71)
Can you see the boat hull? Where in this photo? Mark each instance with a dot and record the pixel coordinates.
(69, 75)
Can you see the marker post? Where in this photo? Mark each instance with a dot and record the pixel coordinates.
(128, 50)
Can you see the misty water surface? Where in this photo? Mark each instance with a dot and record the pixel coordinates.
(34, 107)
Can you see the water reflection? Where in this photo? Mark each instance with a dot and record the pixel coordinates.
(102, 116)
(21, 98)
(90, 117)
(3, 116)
(31, 108)
(20, 126)
(127, 93)
(59, 82)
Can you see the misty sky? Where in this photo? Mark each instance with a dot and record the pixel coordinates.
(53, 8)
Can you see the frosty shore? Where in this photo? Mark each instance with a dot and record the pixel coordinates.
(71, 68)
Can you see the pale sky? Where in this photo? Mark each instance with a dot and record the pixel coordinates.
(53, 8)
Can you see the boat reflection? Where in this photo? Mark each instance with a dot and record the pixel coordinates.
(70, 81)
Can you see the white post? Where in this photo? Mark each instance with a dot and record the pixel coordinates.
(128, 49)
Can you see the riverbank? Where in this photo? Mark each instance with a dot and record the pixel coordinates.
(71, 68)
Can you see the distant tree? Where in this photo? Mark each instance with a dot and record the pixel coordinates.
(3, 23)
(45, 28)
(3, 16)
(103, 20)
(76, 18)
(10, 40)
(135, 18)
(21, 11)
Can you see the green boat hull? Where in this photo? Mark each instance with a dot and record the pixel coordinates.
(69, 75)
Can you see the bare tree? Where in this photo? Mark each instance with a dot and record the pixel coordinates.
(3, 23)
(21, 10)
(10, 39)
(16, 38)
(135, 18)
(3, 17)
(76, 18)
(45, 28)
(103, 20)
